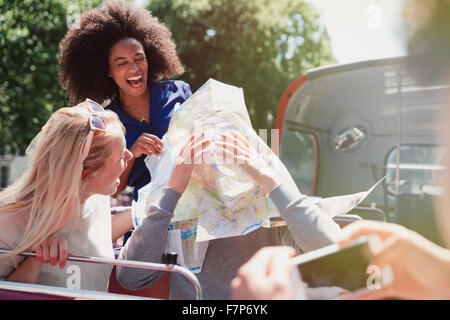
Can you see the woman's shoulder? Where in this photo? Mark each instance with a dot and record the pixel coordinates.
(171, 84)
(97, 203)
(170, 87)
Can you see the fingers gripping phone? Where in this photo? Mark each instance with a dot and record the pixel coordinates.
(346, 267)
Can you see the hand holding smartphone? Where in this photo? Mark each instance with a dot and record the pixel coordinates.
(348, 267)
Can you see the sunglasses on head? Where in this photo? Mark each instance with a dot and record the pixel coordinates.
(96, 123)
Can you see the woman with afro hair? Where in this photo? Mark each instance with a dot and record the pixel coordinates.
(121, 53)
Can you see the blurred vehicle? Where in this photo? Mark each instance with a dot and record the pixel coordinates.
(344, 127)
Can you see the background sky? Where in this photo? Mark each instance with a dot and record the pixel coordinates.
(363, 29)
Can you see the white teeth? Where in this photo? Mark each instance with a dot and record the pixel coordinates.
(135, 78)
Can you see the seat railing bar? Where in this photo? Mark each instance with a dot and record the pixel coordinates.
(344, 218)
(133, 264)
(65, 292)
(120, 209)
(372, 209)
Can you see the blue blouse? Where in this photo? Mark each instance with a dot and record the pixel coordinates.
(164, 96)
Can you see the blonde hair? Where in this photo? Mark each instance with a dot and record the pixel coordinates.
(49, 190)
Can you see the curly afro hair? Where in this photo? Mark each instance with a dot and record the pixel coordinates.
(84, 51)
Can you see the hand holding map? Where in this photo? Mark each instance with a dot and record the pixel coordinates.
(237, 147)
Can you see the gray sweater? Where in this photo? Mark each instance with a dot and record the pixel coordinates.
(307, 224)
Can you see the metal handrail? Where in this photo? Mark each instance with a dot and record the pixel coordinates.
(373, 210)
(347, 217)
(40, 289)
(134, 264)
(120, 209)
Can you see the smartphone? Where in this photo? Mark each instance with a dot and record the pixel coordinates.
(336, 266)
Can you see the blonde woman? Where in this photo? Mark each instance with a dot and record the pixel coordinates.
(60, 204)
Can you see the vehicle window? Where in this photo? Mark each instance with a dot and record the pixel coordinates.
(419, 166)
(298, 155)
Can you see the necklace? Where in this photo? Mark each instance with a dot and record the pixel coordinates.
(142, 118)
(143, 121)
(137, 115)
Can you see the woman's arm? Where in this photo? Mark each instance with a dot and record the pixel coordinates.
(27, 272)
(51, 250)
(308, 225)
(121, 223)
(148, 241)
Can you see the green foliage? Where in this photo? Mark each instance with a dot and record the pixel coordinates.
(30, 31)
(259, 45)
